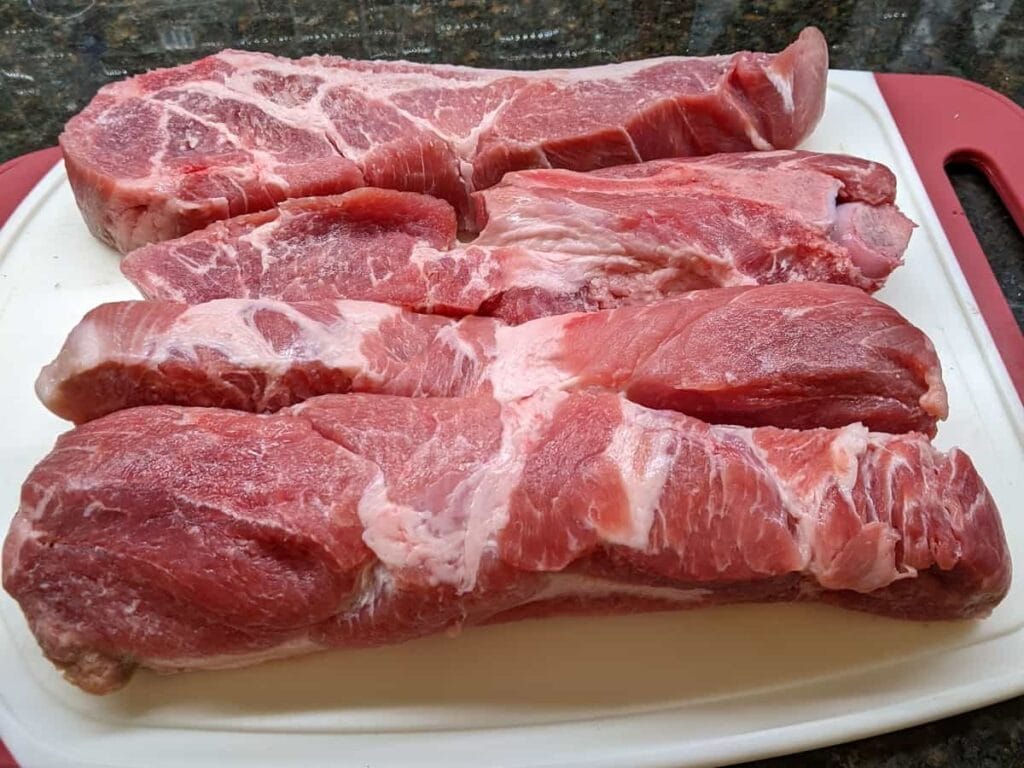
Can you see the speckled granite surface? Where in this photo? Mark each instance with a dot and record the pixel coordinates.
(54, 54)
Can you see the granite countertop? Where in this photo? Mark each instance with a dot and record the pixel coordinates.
(54, 54)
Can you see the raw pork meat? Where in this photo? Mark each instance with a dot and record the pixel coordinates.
(184, 538)
(168, 152)
(792, 355)
(554, 241)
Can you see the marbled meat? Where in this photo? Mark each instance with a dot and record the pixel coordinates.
(169, 151)
(187, 538)
(554, 241)
(791, 355)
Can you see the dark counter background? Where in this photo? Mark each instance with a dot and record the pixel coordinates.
(54, 54)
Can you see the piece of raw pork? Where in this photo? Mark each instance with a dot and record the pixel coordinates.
(187, 538)
(791, 355)
(554, 241)
(167, 152)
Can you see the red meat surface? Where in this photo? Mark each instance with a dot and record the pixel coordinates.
(183, 538)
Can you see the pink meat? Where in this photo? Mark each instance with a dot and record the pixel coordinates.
(186, 538)
(170, 151)
(756, 217)
(554, 241)
(793, 355)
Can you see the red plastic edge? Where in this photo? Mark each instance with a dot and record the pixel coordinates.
(6, 758)
(18, 176)
(944, 119)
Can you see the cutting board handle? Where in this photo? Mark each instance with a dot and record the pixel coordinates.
(945, 120)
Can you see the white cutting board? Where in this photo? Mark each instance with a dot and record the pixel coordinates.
(692, 688)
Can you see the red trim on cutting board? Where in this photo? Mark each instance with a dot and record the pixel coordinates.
(18, 176)
(946, 119)
(6, 758)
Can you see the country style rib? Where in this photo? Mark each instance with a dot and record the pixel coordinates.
(170, 151)
(793, 355)
(554, 241)
(187, 538)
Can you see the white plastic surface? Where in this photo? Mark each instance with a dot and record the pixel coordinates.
(694, 688)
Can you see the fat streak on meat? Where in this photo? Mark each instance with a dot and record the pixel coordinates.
(167, 152)
(792, 355)
(554, 241)
(185, 538)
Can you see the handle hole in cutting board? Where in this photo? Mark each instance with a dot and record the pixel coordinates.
(994, 227)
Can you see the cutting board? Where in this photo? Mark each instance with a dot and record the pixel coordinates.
(693, 688)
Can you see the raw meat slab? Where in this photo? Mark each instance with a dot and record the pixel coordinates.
(179, 539)
(554, 241)
(793, 355)
(169, 151)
